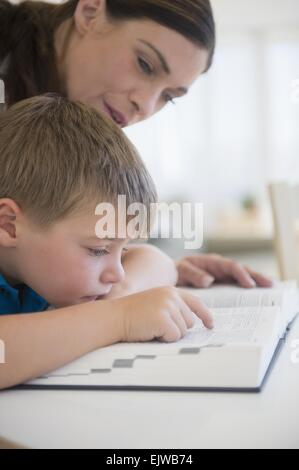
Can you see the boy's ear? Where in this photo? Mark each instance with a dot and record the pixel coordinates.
(87, 11)
(8, 215)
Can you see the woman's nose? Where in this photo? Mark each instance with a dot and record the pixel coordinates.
(145, 102)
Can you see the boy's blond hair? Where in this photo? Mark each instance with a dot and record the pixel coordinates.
(57, 155)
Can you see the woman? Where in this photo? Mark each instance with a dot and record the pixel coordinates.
(127, 58)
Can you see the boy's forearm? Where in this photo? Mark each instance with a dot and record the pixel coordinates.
(40, 342)
(145, 267)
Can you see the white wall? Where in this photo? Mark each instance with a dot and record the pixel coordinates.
(256, 13)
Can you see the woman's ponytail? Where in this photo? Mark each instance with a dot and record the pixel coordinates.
(27, 41)
(8, 13)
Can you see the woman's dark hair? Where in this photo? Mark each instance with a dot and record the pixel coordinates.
(27, 36)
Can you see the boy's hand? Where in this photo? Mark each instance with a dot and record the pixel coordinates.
(204, 270)
(163, 313)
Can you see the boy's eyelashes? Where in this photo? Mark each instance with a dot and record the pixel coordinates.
(101, 251)
(98, 252)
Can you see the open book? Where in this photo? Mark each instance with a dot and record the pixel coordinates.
(249, 326)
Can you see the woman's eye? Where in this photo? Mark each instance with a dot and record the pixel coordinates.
(97, 252)
(145, 67)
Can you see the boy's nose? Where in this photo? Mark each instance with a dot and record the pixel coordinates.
(113, 274)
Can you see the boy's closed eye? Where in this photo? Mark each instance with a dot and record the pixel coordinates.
(97, 252)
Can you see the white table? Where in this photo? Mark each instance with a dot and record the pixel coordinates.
(122, 419)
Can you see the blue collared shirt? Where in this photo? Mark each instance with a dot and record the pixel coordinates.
(19, 299)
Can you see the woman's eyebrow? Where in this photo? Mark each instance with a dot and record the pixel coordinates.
(159, 55)
(163, 62)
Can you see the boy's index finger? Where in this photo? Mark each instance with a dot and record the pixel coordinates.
(197, 306)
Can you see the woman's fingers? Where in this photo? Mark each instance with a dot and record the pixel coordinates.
(238, 273)
(190, 274)
(245, 276)
(202, 270)
(260, 279)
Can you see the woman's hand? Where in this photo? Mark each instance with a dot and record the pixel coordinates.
(204, 270)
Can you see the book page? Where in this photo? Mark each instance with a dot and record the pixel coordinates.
(229, 296)
(236, 297)
(238, 325)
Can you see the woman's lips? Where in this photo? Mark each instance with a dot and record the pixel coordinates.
(117, 116)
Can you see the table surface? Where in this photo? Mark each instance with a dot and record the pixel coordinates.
(130, 419)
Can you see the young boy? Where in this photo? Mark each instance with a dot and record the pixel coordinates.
(58, 161)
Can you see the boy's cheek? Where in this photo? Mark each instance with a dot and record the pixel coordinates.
(63, 286)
